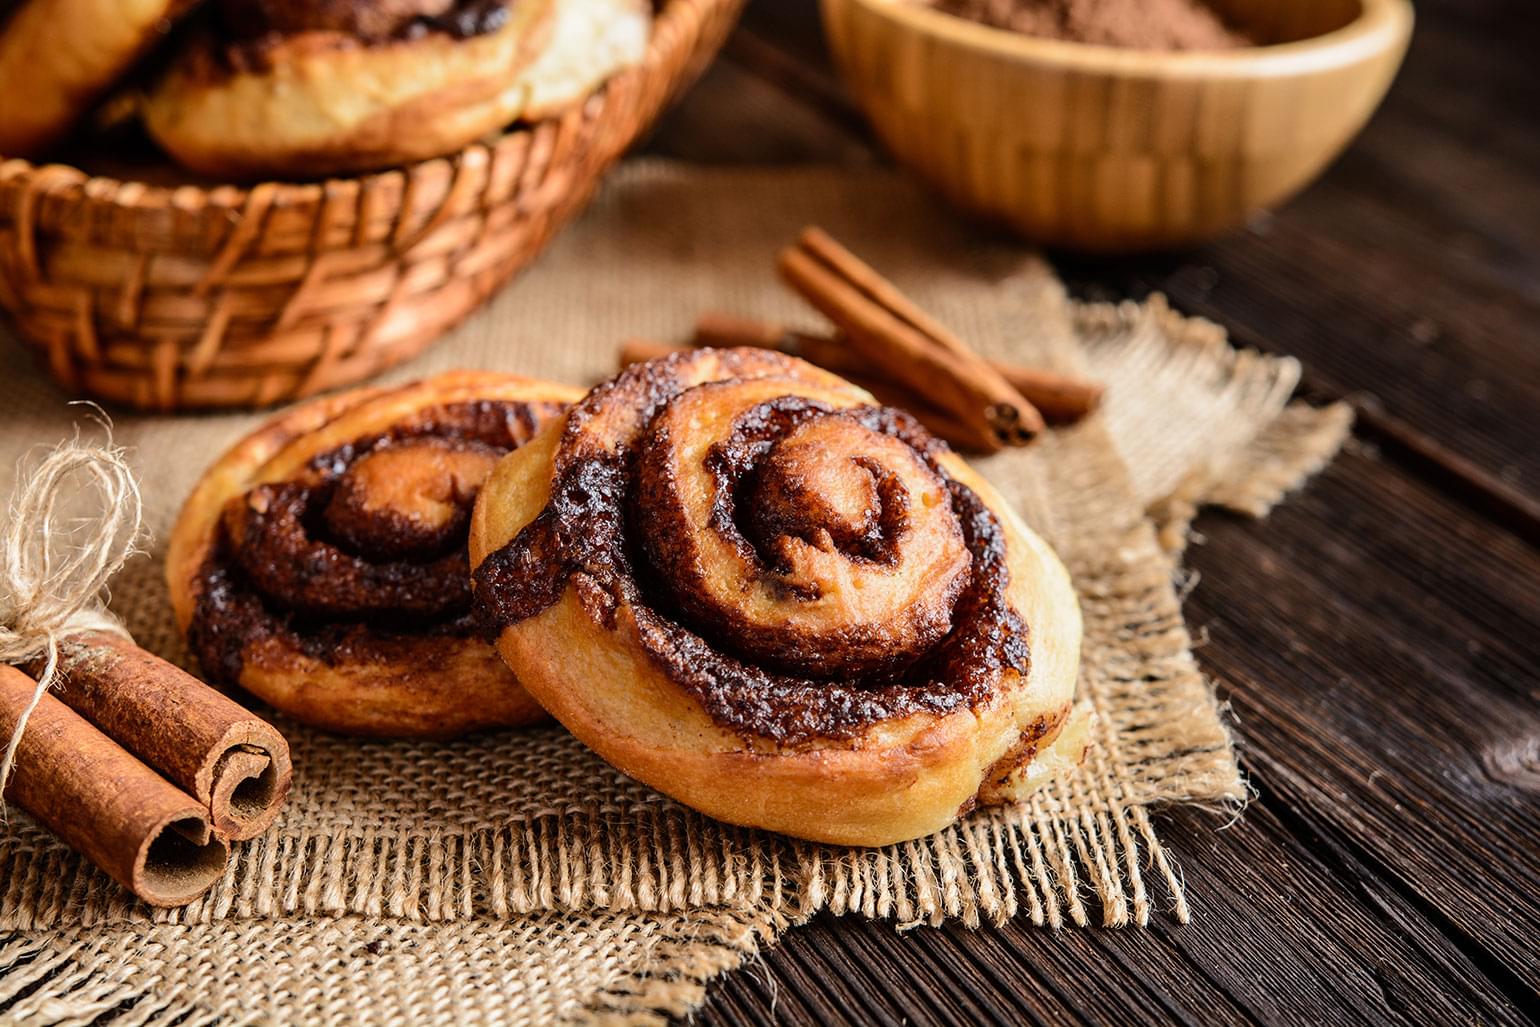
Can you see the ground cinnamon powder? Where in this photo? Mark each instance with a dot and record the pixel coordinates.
(1136, 24)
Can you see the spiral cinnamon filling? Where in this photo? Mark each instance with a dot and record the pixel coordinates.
(365, 20)
(364, 552)
(802, 567)
(250, 30)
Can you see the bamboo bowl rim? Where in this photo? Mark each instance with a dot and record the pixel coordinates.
(1378, 24)
(54, 177)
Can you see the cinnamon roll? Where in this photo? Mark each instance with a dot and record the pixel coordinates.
(321, 563)
(740, 581)
(278, 87)
(58, 58)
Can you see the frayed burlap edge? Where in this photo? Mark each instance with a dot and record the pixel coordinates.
(1239, 442)
(630, 969)
(1294, 448)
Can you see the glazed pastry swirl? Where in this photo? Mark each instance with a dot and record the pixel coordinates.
(768, 556)
(373, 529)
(343, 553)
(804, 566)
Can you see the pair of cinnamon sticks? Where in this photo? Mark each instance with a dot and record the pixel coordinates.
(886, 343)
(141, 767)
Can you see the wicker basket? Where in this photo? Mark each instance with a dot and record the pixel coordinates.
(176, 298)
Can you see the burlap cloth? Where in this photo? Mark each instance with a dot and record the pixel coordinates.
(514, 877)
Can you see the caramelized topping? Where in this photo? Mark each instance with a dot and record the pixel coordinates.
(362, 551)
(410, 498)
(803, 571)
(246, 34)
(365, 20)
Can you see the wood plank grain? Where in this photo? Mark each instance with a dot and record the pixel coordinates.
(1382, 652)
(1282, 934)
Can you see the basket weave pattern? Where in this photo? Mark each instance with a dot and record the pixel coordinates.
(176, 298)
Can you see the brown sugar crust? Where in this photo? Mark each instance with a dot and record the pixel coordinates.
(740, 581)
(321, 562)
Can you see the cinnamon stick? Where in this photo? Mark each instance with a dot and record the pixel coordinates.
(233, 762)
(146, 833)
(908, 344)
(1060, 398)
(903, 352)
(937, 422)
(715, 328)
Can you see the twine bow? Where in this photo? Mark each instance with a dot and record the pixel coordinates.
(73, 522)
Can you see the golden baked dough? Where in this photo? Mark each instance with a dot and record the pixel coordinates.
(58, 57)
(296, 102)
(740, 582)
(320, 563)
(590, 41)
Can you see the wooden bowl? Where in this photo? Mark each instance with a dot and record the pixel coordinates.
(176, 297)
(1102, 148)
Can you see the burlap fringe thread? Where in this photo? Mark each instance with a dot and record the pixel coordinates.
(1241, 444)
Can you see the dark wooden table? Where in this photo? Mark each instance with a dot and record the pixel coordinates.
(1378, 637)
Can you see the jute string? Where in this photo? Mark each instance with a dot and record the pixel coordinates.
(71, 524)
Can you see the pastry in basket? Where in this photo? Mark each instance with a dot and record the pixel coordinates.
(740, 581)
(288, 88)
(321, 562)
(58, 58)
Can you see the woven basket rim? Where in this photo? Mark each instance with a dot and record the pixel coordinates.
(64, 179)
